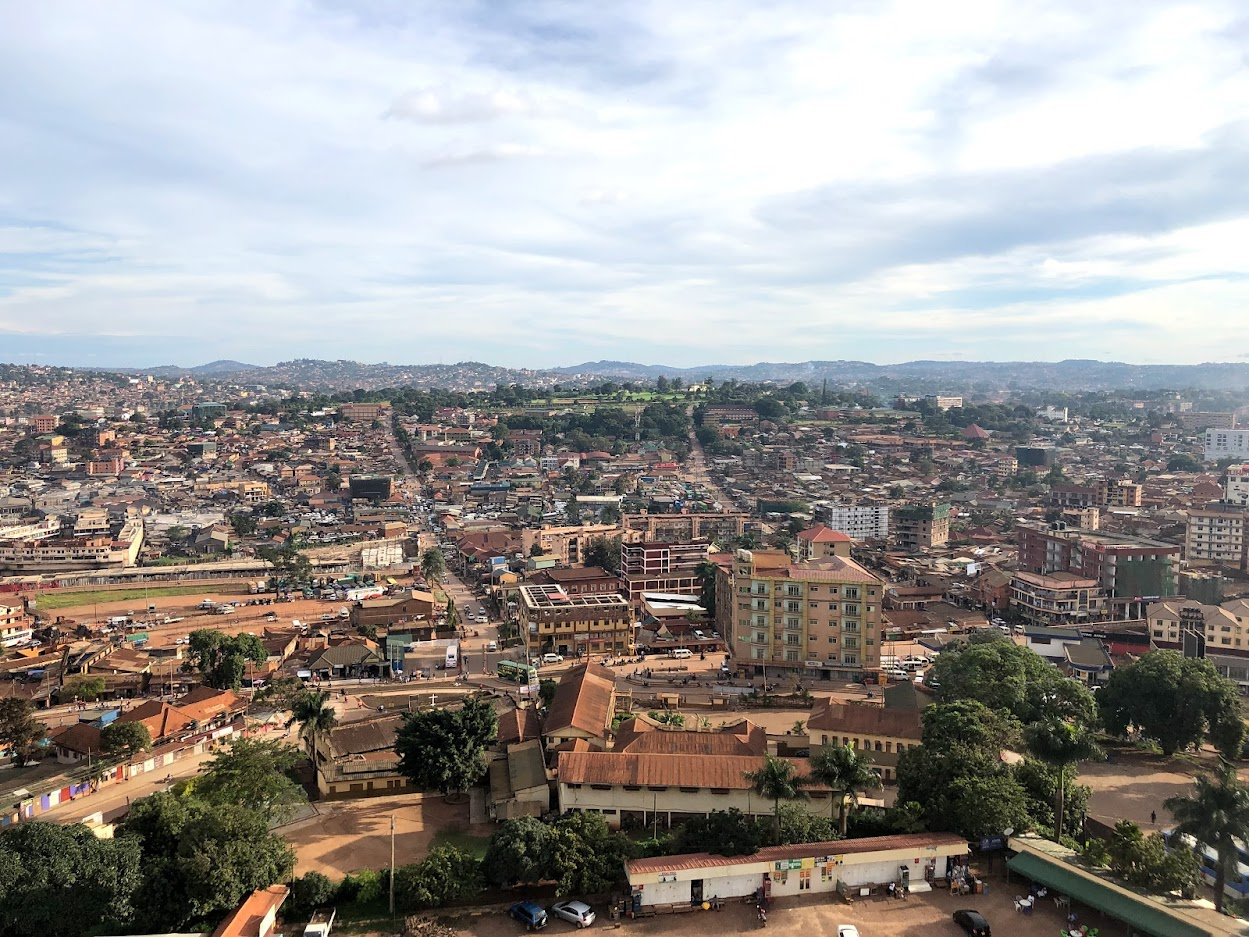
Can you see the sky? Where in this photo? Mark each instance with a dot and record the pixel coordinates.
(539, 183)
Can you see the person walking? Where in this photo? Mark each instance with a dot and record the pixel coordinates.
(1153, 817)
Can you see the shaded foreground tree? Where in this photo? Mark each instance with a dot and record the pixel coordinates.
(200, 860)
(578, 851)
(444, 750)
(315, 715)
(1061, 745)
(59, 881)
(127, 737)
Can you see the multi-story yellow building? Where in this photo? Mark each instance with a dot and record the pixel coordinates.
(554, 622)
(818, 620)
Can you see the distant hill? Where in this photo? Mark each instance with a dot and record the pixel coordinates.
(951, 377)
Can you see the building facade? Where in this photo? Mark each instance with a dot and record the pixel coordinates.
(1236, 485)
(919, 527)
(686, 528)
(1058, 598)
(858, 521)
(1226, 443)
(670, 568)
(819, 620)
(1218, 535)
(574, 626)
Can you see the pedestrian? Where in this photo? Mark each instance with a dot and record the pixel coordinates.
(1153, 817)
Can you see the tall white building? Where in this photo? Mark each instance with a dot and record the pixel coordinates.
(1218, 534)
(1236, 486)
(1221, 443)
(858, 521)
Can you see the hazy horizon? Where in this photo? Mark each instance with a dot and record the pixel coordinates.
(535, 183)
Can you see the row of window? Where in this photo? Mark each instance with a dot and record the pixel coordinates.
(868, 745)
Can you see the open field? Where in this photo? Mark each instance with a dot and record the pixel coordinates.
(348, 835)
(57, 600)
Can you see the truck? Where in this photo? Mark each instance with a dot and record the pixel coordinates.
(320, 924)
(257, 587)
(365, 592)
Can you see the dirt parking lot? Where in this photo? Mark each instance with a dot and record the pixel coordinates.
(929, 915)
(349, 835)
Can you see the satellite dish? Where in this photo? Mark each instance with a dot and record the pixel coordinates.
(1009, 831)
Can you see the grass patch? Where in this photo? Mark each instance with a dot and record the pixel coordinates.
(464, 842)
(59, 600)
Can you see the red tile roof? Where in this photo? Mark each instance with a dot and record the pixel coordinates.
(851, 719)
(651, 769)
(583, 700)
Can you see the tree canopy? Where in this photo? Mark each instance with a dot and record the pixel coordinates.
(433, 565)
(444, 749)
(20, 731)
(1175, 700)
(1011, 678)
(777, 780)
(222, 658)
(200, 860)
(60, 881)
(578, 852)
(255, 774)
(1216, 814)
(129, 737)
(603, 552)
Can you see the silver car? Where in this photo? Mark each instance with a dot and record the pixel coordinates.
(575, 912)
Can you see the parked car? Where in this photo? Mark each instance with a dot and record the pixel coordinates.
(492, 646)
(575, 912)
(972, 923)
(552, 659)
(847, 930)
(530, 914)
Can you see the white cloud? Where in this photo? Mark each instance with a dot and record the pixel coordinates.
(547, 181)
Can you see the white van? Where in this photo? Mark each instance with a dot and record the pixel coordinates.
(680, 653)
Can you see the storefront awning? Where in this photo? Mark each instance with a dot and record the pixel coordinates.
(1135, 910)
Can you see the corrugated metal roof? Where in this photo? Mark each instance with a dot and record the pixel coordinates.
(654, 769)
(843, 847)
(846, 718)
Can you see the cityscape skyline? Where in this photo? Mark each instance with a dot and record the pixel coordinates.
(543, 183)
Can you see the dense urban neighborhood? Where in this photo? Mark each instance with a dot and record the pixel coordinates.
(863, 655)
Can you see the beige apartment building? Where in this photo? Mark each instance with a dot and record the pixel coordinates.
(1217, 535)
(555, 622)
(819, 620)
(1057, 598)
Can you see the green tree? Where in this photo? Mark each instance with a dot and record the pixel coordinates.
(445, 750)
(845, 772)
(127, 737)
(62, 881)
(433, 565)
(1062, 745)
(316, 717)
(777, 780)
(280, 692)
(1175, 700)
(1146, 863)
(222, 658)
(1216, 815)
(668, 718)
(546, 691)
(1011, 678)
(586, 857)
(87, 689)
(200, 860)
(445, 876)
(244, 524)
(20, 731)
(957, 774)
(725, 833)
(604, 552)
(254, 774)
(310, 891)
(1040, 783)
(518, 852)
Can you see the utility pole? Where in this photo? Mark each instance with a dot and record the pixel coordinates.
(392, 865)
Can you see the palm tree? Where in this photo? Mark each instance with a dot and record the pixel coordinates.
(1216, 816)
(845, 772)
(1060, 744)
(777, 780)
(315, 716)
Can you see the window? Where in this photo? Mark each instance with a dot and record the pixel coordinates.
(632, 787)
(600, 787)
(659, 789)
(690, 790)
(804, 880)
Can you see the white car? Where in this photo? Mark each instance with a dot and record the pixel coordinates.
(575, 912)
(552, 659)
(847, 930)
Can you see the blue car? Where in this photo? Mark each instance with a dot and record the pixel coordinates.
(530, 914)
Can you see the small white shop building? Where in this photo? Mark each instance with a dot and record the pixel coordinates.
(849, 866)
